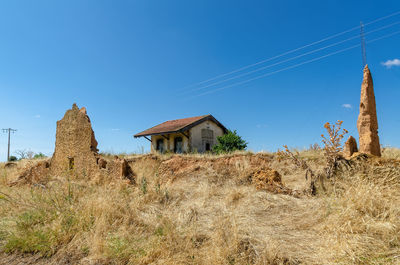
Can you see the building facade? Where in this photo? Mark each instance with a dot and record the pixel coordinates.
(194, 134)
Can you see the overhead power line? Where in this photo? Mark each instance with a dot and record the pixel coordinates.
(292, 58)
(293, 50)
(294, 66)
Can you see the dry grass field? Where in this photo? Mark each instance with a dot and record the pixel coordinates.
(204, 209)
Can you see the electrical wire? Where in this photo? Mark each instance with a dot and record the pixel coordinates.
(292, 58)
(294, 66)
(293, 50)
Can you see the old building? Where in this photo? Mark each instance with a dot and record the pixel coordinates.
(195, 134)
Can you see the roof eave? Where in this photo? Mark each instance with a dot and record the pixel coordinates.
(187, 127)
(159, 133)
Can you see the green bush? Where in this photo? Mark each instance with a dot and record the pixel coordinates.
(39, 155)
(13, 158)
(229, 142)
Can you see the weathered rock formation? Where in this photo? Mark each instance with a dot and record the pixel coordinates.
(350, 147)
(367, 123)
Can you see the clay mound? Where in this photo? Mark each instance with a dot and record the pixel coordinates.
(243, 169)
(350, 147)
(268, 179)
(34, 174)
(178, 166)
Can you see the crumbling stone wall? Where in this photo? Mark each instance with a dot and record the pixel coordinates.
(76, 149)
(76, 145)
(76, 154)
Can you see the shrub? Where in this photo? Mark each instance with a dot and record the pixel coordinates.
(13, 158)
(333, 146)
(332, 143)
(229, 142)
(332, 149)
(39, 155)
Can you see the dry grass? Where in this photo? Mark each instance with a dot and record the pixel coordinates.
(205, 215)
(391, 153)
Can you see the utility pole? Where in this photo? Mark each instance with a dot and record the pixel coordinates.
(364, 53)
(9, 130)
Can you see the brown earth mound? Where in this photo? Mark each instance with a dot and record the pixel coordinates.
(182, 166)
(269, 180)
(36, 174)
(243, 169)
(350, 147)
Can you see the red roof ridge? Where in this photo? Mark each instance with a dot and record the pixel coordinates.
(172, 126)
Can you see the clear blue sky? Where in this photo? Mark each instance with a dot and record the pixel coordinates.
(129, 63)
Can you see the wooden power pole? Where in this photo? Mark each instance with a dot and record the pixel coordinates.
(9, 131)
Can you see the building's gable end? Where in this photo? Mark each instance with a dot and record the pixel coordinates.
(203, 136)
(206, 118)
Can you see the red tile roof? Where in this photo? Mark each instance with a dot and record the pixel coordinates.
(177, 125)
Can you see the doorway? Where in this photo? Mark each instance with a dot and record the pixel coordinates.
(208, 147)
(160, 145)
(178, 145)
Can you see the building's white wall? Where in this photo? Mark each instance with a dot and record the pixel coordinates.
(169, 143)
(196, 141)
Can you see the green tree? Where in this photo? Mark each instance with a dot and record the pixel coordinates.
(229, 142)
(13, 158)
(39, 155)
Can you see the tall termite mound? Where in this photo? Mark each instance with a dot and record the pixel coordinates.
(76, 145)
(367, 123)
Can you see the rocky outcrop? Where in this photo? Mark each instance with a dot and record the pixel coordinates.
(350, 147)
(367, 123)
